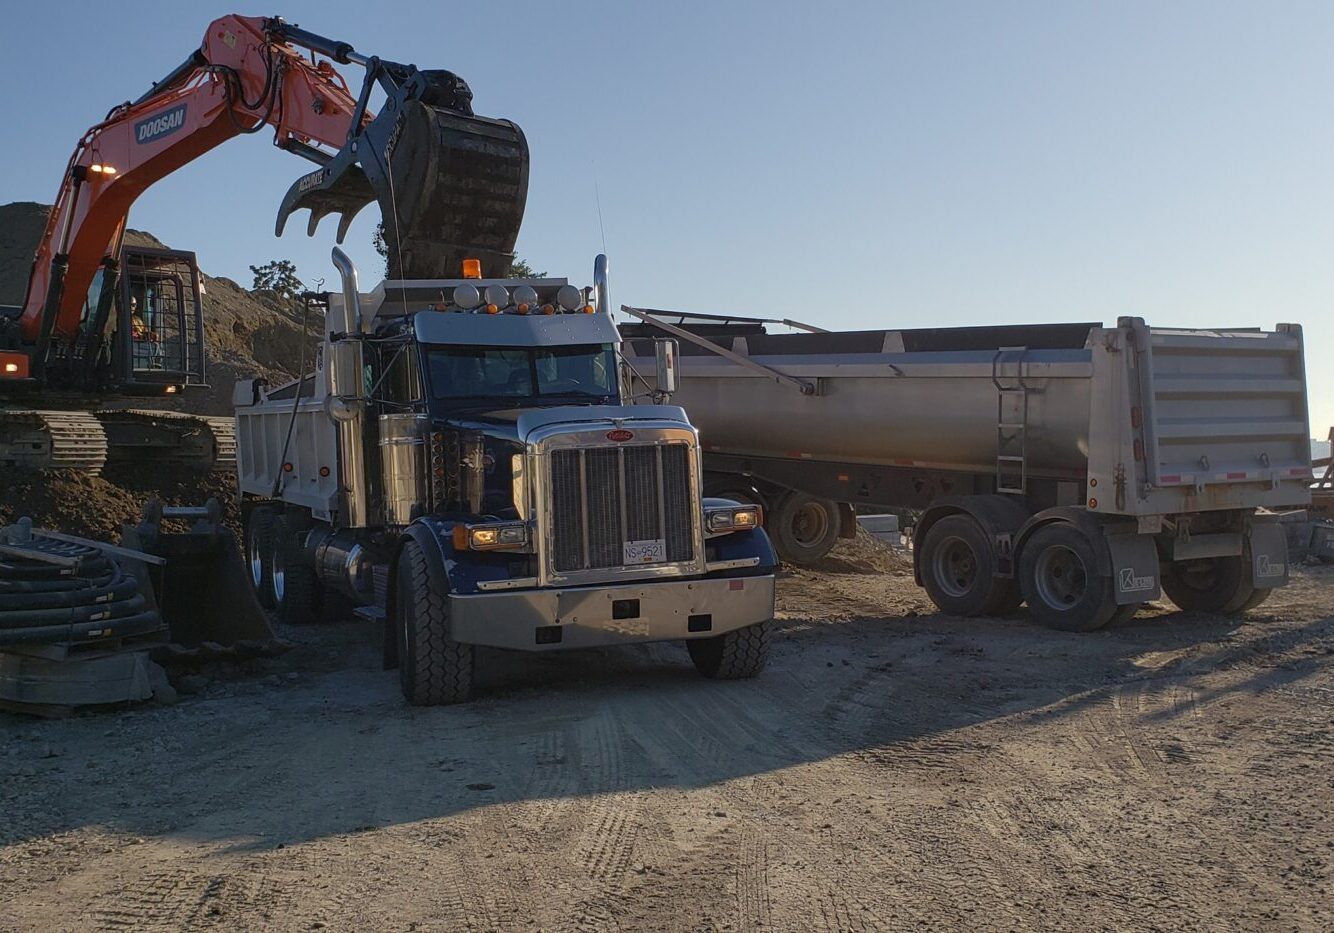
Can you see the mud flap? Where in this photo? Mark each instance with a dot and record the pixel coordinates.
(1134, 567)
(1269, 555)
(450, 186)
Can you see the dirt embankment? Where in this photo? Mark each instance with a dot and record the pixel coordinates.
(96, 506)
(246, 333)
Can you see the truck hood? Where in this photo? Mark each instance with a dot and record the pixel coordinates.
(530, 421)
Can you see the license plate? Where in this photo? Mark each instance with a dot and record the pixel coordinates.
(645, 552)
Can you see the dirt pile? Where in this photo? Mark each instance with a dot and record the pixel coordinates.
(95, 506)
(246, 333)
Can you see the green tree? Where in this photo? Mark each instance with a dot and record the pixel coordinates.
(279, 277)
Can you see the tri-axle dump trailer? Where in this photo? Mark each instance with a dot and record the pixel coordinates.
(1075, 467)
(464, 466)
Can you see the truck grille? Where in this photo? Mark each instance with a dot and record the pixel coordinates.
(613, 506)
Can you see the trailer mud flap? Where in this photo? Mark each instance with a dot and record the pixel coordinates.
(1134, 568)
(1269, 555)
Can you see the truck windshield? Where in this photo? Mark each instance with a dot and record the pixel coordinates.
(522, 372)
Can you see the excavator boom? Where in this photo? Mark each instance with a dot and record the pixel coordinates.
(449, 183)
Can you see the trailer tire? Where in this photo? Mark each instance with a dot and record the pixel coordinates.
(734, 488)
(296, 587)
(804, 527)
(1060, 581)
(958, 565)
(259, 552)
(433, 669)
(733, 655)
(1212, 584)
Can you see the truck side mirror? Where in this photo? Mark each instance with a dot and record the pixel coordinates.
(664, 352)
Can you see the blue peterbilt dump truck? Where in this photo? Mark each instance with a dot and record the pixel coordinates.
(465, 467)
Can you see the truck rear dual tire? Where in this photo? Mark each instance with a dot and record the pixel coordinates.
(295, 584)
(958, 567)
(1213, 584)
(433, 669)
(733, 655)
(1058, 575)
(259, 552)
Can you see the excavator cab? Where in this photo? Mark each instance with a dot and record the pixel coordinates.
(158, 337)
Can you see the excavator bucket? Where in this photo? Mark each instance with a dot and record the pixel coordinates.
(202, 590)
(450, 185)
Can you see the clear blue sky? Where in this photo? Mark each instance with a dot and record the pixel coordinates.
(851, 164)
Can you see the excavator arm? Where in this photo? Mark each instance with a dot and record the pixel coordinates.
(450, 184)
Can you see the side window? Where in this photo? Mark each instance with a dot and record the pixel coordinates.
(398, 375)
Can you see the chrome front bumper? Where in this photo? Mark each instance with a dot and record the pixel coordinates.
(585, 617)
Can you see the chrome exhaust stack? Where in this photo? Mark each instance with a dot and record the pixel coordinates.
(346, 401)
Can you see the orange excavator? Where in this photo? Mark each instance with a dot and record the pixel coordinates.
(102, 320)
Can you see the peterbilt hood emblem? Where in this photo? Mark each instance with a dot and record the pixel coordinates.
(620, 435)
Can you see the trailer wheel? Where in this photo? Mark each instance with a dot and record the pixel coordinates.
(804, 528)
(295, 585)
(1060, 581)
(1212, 584)
(959, 570)
(733, 655)
(433, 668)
(259, 553)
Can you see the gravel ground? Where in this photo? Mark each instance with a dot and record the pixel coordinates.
(893, 768)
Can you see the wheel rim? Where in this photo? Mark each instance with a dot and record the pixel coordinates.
(255, 559)
(1061, 578)
(810, 524)
(954, 565)
(279, 571)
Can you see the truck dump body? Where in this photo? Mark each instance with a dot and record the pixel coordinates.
(1160, 420)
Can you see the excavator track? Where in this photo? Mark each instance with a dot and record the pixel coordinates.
(224, 440)
(197, 442)
(52, 440)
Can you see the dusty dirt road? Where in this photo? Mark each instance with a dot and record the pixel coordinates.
(892, 769)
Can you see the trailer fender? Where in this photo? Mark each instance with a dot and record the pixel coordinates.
(433, 544)
(999, 516)
(1128, 557)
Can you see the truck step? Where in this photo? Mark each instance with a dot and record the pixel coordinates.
(369, 613)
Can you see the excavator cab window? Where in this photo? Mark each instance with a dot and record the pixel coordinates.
(158, 326)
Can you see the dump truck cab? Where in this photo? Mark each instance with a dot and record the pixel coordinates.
(465, 466)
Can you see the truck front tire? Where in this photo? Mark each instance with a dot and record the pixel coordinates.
(804, 528)
(433, 669)
(958, 567)
(733, 655)
(1058, 574)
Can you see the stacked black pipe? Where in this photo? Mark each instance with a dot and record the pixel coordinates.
(60, 592)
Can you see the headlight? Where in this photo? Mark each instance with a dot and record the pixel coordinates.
(491, 536)
(733, 518)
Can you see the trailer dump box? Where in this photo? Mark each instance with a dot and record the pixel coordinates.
(1160, 453)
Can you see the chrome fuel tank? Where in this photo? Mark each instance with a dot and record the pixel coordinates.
(403, 466)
